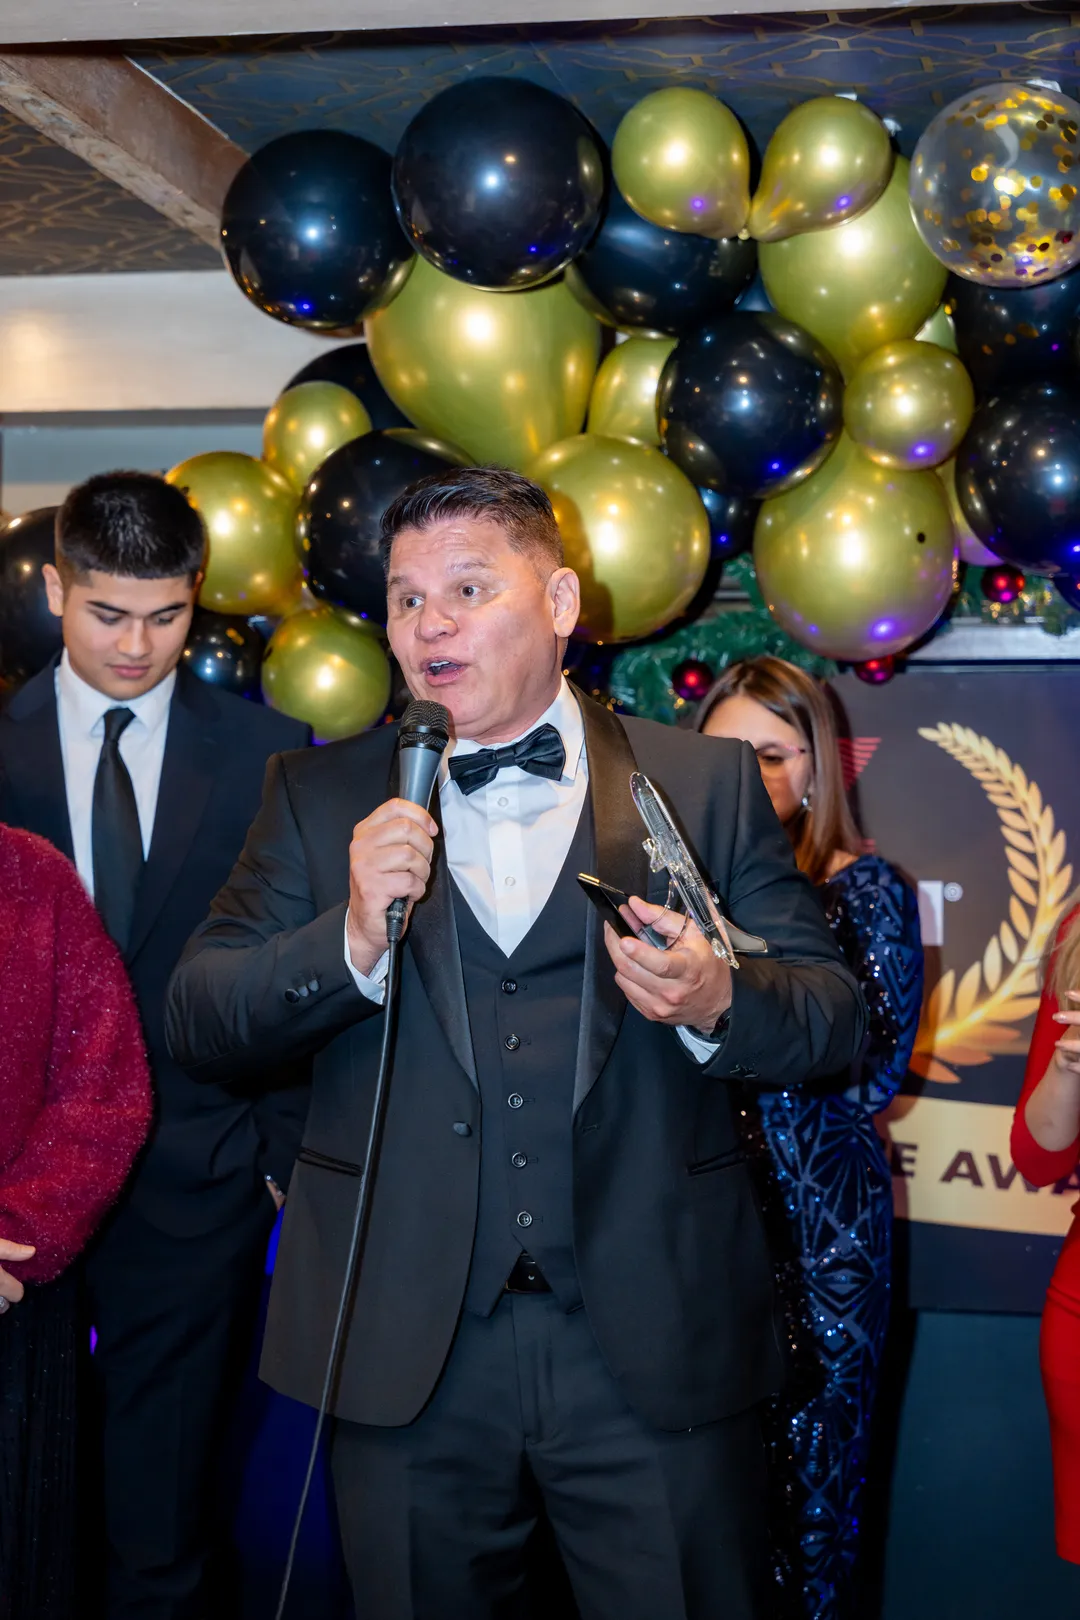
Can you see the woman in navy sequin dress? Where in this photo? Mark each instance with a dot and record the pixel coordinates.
(827, 1188)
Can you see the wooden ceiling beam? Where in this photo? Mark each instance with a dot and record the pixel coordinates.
(129, 127)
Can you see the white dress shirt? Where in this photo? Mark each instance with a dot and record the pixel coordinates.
(80, 713)
(506, 843)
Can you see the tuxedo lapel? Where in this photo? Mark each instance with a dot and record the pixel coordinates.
(433, 941)
(618, 843)
(187, 775)
(34, 794)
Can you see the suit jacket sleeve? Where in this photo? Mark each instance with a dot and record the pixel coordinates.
(97, 1100)
(263, 980)
(798, 1013)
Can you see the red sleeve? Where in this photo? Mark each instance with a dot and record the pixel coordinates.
(1037, 1164)
(97, 1106)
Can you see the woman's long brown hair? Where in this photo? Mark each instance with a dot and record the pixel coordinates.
(827, 826)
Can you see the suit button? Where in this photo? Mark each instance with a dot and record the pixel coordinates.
(303, 991)
(514, 1100)
(462, 1127)
(518, 1160)
(509, 986)
(512, 1042)
(292, 995)
(313, 986)
(524, 1219)
(737, 1070)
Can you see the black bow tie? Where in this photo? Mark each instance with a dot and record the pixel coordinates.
(541, 752)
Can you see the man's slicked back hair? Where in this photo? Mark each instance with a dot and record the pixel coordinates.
(520, 508)
(129, 523)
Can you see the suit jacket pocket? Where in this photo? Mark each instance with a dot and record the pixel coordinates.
(324, 1161)
(704, 1168)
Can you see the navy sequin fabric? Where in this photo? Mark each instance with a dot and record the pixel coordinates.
(827, 1194)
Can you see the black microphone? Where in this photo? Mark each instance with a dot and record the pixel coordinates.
(425, 732)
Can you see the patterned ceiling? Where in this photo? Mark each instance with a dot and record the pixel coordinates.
(56, 215)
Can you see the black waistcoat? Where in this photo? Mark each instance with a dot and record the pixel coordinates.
(525, 1019)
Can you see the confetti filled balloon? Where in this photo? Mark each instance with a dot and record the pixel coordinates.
(749, 404)
(857, 562)
(859, 284)
(827, 160)
(994, 188)
(309, 231)
(1002, 583)
(308, 423)
(622, 404)
(250, 516)
(680, 159)
(633, 528)
(908, 404)
(327, 669)
(638, 275)
(498, 182)
(503, 375)
(1018, 476)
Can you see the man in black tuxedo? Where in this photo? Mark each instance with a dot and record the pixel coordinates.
(148, 780)
(565, 1306)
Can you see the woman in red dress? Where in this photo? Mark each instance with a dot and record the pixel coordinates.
(1045, 1149)
(74, 1109)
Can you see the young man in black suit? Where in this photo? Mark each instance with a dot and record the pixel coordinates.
(565, 1304)
(148, 779)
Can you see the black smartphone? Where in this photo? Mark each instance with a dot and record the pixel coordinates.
(607, 899)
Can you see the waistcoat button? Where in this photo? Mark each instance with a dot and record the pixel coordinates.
(509, 986)
(512, 1042)
(519, 1161)
(514, 1100)
(462, 1127)
(524, 1219)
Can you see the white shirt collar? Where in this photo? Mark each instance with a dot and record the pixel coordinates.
(85, 706)
(564, 713)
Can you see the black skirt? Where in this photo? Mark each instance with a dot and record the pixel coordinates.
(38, 1362)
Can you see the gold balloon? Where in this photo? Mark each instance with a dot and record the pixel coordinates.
(307, 424)
(622, 404)
(857, 562)
(634, 529)
(994, 185)
(503, 375)
(939, 329)
(909, 404)
(329, 669)
(680, 159)
(859, 284)
(249, 512)
(967, 542)
(827, 160)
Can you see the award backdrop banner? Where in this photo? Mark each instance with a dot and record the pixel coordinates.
(967, 781)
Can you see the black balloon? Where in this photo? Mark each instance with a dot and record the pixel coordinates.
(1010, 335)
(225, 651)
(498, 182)
(1018, 476)
(749, 404)
(731, 522)
(755, 297)
(29, 634)
(342, 507)
(656, 280)
(309, 230)
(349, 365)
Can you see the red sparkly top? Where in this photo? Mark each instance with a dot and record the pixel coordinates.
(75, 1099)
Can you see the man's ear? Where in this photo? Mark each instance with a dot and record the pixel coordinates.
(54, 589)
(564, 591)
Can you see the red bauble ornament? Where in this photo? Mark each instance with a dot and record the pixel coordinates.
(876, 671)
(1002, 583)
(691, 679)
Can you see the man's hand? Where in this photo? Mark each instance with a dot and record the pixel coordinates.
(686, 984)
(389, 859)
(11, 1289)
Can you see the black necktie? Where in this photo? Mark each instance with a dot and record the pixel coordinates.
(115, 837)
(541, 752)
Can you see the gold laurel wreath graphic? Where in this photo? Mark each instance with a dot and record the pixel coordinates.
(966, 1023)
